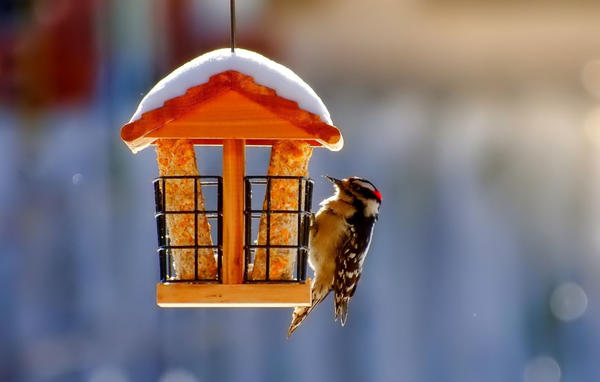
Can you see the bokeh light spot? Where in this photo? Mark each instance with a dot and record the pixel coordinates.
(542, 369)
(177, 375)
(568, 301)
(77, 178)
(108, 374)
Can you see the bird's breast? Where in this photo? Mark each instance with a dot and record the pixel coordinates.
(326, 238)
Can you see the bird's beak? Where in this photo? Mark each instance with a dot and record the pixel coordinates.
(337, 182)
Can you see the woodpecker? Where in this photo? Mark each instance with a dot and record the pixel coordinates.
(340, 235)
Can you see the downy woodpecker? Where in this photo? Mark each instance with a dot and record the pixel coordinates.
(340, 235)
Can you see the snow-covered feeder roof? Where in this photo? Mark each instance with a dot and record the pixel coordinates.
(224, 95)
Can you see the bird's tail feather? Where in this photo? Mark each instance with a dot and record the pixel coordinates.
(299, 315)
(341, 308)
(301, 312)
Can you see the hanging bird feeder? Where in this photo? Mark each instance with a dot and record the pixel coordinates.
(209, 257)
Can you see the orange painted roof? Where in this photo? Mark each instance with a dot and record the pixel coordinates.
(230, 106)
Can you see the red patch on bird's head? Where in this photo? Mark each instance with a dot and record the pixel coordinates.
(378, 195)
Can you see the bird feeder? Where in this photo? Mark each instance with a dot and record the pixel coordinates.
(235, 100)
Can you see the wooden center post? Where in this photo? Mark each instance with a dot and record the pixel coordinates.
(234, 163)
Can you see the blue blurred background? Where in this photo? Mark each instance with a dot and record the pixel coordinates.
(477, 120)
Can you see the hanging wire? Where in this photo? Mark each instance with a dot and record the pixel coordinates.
(232, 13)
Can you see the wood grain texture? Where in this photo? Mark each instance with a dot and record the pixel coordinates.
(234, 162)
(197, 295)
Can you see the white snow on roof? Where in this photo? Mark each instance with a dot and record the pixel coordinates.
(264, 71)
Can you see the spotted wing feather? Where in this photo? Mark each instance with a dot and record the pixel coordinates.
(349, 265)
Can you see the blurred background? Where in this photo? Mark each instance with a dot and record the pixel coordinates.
(478, 121)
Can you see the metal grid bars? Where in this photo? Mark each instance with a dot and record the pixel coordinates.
(212, 188)
(297, 216)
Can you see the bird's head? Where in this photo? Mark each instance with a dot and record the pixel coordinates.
(355, 189)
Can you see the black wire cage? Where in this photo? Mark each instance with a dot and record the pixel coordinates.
(265, 214)
(210, 185)
(258, 214)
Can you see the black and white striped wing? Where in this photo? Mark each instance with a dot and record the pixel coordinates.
(349, 263)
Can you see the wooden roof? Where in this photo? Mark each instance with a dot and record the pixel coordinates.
(230, 106)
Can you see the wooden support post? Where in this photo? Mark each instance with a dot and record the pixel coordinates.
(234, 163)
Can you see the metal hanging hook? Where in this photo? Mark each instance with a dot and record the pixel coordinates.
(232, 13)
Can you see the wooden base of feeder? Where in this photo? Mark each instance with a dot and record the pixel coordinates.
(200, 295)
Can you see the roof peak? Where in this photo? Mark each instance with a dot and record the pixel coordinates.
(264, 71)
(230, 105)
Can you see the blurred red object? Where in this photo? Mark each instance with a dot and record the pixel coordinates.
(49, 54)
